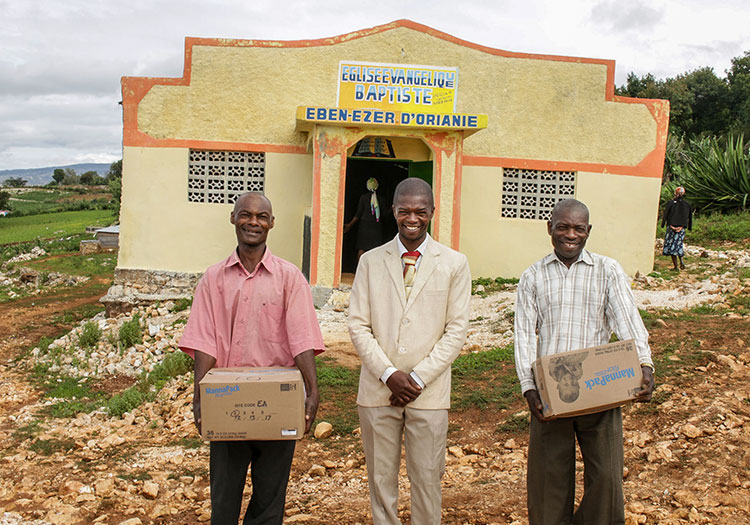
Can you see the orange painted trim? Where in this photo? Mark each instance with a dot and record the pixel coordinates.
(340, 221)
(437, 182)
(652, 165)
(457, 183)
(315, 223)
(135, 88)
(362, 33)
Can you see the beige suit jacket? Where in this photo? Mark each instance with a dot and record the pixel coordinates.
(424, 334)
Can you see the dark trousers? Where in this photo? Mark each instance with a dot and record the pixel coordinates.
(551, 470)
(270, 463)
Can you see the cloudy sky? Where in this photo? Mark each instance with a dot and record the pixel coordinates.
(61, 60)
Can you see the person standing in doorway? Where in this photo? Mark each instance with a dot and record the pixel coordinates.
(678, 215)
(252, 309)
(370, 230)
(569, 300)
(408, 316)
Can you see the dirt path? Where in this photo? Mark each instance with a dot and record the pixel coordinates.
(687, 453)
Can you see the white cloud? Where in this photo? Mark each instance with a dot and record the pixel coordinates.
(62, 60)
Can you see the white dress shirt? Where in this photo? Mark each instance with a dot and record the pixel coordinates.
(559, 309)
(402, 250)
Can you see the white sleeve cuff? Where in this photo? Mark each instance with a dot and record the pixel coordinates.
(526, 385)
(416, 378)
(388, 373)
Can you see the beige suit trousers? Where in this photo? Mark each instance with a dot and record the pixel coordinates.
(424, 433)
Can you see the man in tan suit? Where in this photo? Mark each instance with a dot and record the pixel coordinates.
(408, 317)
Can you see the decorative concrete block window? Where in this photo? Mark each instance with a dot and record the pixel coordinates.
(219, 177)
(531, 194)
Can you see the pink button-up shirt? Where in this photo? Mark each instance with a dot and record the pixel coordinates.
(263, 318)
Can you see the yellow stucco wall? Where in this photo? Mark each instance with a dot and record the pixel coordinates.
(623, 214)
(538, 109)
(189, 237)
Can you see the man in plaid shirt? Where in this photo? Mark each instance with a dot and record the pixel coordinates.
(573, 299)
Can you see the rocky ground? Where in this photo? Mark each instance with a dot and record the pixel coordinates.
(687, 453)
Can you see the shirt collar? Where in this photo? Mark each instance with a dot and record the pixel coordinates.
(584, 257)
(421, 248)
(266, 261)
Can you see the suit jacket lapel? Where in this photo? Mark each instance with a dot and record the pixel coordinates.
(426, 266)
(395, 270)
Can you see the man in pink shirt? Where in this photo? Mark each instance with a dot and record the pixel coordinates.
(252, 309)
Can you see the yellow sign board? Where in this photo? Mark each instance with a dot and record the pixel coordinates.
(386, 118)
(397, 87)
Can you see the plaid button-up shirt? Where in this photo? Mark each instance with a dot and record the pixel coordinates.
(559, 309)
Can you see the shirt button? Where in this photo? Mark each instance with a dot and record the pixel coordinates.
(401, 350)
(405, 322)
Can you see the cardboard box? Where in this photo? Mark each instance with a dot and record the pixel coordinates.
(588, 380)
(252, 404)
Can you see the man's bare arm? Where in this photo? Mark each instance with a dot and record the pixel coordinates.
(306, 364)
(201, 365)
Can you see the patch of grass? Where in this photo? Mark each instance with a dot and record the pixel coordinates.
(515, 424)
(148, 385)
(77, 314)
(173, 365)
(128, 399)
(131, 332)
(716, 230)
(491, 285)
(338, 391)
(182, 304)
(135, 475)
(28, 431)
(191, 442)
(94, 265)
(47, 447)
(48, 225)
(90, 335)
(485, 379)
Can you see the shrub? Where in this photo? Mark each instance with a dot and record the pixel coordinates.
(126, 401)
(717, 178)
(90, 335)
(130, 332)
(182, 304)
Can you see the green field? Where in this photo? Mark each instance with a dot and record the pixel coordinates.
(30, 227)
(94, 265)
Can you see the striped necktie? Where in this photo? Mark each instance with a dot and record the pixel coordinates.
(410, 269)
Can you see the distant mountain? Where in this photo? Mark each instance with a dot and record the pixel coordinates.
(41, 176)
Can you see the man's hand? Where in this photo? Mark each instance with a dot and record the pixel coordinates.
(197, 414)
(202, 364)
(311, 408)
(647, 386)
(306, 364)
(404, 388)
(535, 404)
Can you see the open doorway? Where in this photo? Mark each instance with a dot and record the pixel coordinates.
(388, 173)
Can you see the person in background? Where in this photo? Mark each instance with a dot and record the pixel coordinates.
(678, 215)
(408, 316)
(370, 230)
(569, 300)
(252, 309)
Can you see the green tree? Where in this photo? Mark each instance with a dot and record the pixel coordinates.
(58, 175)
(71, 177)
(738, 78)
(4, 200)
(115, 170)
(115, 187)
(92, 178)
(15, 182)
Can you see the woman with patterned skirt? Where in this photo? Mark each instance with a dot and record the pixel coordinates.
(678, 215)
